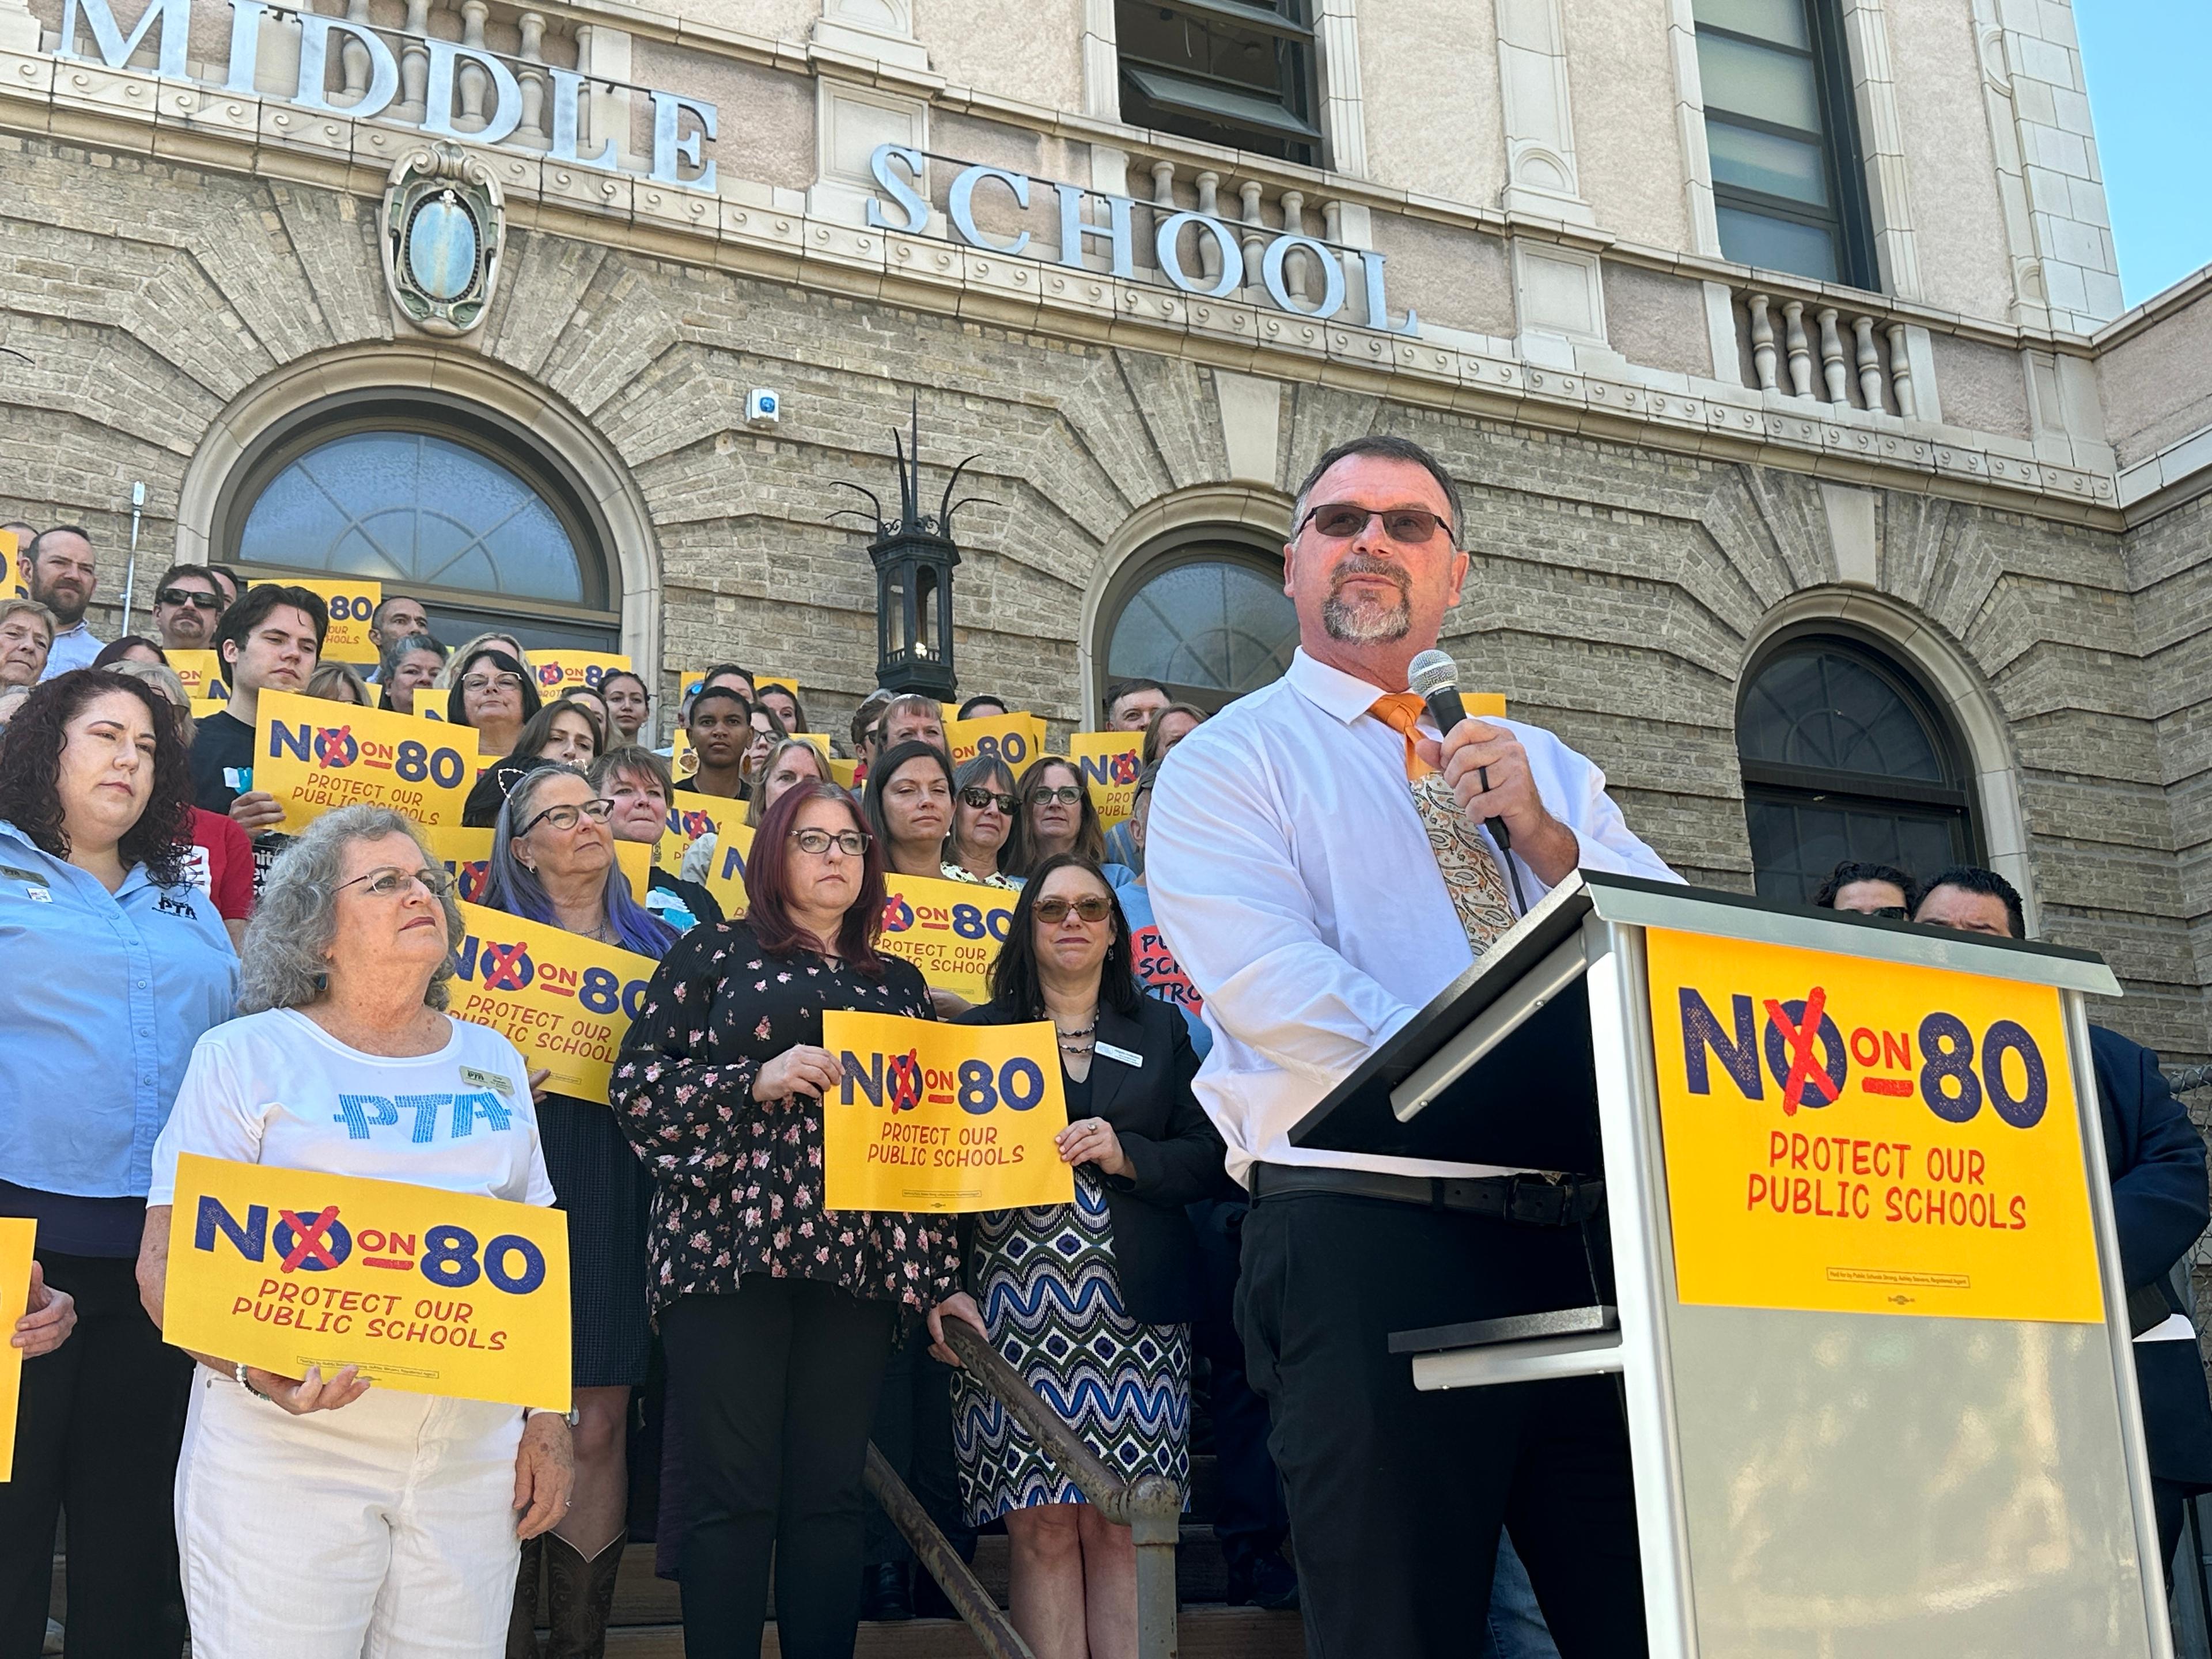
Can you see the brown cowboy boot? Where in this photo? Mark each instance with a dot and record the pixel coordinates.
(582, 1595)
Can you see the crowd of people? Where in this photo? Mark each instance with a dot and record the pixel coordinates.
(188, 980)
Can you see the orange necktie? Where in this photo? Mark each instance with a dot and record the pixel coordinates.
(1401, 711)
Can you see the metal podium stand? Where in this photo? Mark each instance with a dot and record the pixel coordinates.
(1840, 1450)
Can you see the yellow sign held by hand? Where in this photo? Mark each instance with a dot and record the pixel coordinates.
(428, 1291)
(315, 756)
(563, 999)
(936, 1117)
(18, 1234)
(951, 930)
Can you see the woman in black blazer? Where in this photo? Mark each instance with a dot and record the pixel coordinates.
(1092, 1300)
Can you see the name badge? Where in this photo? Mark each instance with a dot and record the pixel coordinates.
(239, 779)
(493, 1081)
(1123, 1054)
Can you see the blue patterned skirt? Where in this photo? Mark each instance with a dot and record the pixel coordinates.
(1045, 1279)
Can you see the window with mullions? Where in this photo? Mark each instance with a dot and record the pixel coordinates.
(1233, 72)
(1209, 620)
(1787, 185)
(1846, 757)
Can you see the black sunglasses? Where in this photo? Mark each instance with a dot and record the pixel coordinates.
(191, 596)
(979, 799)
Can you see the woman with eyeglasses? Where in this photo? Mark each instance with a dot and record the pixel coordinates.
(317, 1514)
(629, 705)
(491, 690)
(553, 860)
(778, 1316)
(1091, 1301)
(983, 814)
(1056, 816)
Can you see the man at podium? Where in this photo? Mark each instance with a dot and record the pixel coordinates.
(1323, 864)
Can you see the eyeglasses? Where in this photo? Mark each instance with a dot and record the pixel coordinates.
(851, 842)
(979, 799)
(1090, 907)
(487, 681)
(191, 596)
(565, 816)
(389, 880)
(1064, 794)
(1342, 520)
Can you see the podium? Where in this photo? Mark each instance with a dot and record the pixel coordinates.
(1867, 1311)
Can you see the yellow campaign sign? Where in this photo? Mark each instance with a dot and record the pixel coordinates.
(690, 817)
(725, 876)
(1110, 763)
(682, 758)
(315, 756)
(202, 673)
(1017, 740)
(428, 1291)
(563, 671)
(951, 930)
(352, 601)
(762, 682)
(563, 999)
(935, 1117)
(18, 1234)
(845, 774)
(467, 854)
(12, 586)
(1868, 1137)
(201, 708)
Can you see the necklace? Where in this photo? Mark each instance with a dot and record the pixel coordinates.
(1080, 1040)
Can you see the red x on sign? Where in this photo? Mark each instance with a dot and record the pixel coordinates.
(1805, 1063)
(505, 967)
(310, 1238)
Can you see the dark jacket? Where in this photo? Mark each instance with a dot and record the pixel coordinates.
(1175, 1155)
(2160, 1206)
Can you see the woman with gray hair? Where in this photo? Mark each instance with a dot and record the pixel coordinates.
(317, 1514)
(553, 861)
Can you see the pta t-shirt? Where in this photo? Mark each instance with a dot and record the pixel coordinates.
(276, 1088)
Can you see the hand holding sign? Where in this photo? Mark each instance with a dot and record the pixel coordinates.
(311, 755)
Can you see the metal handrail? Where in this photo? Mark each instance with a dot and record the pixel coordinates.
(995, 1632)
(1151, 1506)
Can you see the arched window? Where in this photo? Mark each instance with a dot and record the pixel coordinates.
(1846, 757)
(1207, 617)
(454, 507)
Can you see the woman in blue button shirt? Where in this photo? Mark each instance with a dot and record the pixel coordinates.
(116, 964)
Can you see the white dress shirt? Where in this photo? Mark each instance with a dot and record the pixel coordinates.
(1293, 879)
(75, 646)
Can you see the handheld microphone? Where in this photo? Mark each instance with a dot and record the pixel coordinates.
(1433, 678)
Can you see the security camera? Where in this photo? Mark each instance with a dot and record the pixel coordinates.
(762, 407)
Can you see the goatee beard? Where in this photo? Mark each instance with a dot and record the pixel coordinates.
(1364, 624)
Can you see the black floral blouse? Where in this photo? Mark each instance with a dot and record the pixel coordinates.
(737, 1184)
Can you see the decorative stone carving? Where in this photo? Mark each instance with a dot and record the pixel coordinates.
(445, 225)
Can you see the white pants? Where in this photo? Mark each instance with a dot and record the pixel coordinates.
(381, 1530)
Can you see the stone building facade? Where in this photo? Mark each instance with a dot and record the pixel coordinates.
(1538, 236)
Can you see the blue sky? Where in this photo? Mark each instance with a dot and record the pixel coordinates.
(2148, 63)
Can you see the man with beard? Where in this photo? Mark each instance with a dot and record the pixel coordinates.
(57, 567)
(187, 602)
(1317, 854)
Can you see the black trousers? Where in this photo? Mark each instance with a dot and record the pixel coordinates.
(913, 1431)
(97, 1431)
(777, 1385)
(1248, 1516)
(1396, 1496)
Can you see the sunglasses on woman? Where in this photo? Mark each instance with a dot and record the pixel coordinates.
(1064, 794)
(979, 799)
(1091, 908)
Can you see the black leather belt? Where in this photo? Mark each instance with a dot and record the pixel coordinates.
(1528, 1201)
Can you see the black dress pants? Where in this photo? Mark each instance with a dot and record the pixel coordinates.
(97, 1431)
(777, 1387)
(1396, 1496)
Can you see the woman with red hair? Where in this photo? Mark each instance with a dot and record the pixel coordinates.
(778, 1317)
